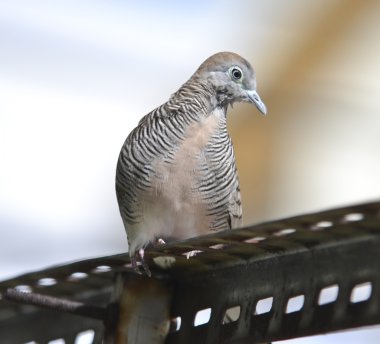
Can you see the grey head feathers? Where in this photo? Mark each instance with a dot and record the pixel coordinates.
(231, 77)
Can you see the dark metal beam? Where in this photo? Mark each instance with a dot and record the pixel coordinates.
(295, 277)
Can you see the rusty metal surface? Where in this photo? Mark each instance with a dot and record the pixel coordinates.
(291, 262)
(143, 315)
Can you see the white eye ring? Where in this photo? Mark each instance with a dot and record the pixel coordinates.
(236, 73)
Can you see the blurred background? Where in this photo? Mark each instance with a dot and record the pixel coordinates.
(76, 77)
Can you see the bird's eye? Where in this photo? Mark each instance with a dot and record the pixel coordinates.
(236, 73)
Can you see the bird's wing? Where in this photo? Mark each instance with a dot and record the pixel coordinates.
(235, 208)
(130, 171)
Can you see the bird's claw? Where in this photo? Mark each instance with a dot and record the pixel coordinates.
(139, 258)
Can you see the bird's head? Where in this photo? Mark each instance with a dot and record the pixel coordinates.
(232, 78)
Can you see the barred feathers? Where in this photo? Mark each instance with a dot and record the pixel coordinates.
(176, 175)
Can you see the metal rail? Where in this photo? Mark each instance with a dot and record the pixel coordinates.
(295, 277)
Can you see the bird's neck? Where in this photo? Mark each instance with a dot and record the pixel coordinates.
(195, 99)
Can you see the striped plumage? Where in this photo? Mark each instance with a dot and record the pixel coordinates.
(176, 175)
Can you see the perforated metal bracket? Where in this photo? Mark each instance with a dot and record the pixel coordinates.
(305, 275)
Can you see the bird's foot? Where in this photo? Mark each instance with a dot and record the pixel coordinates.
(139, 258)
(161, 241)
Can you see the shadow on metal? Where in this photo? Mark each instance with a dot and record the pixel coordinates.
(295, 277)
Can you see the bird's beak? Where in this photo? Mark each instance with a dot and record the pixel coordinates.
(255, 99)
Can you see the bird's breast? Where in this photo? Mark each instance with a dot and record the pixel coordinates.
(175, 176)
(175, 195)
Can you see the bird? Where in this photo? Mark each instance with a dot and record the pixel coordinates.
(176, 174)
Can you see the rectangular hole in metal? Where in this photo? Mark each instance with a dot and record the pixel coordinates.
(231, 314)
(255, 240)
(285, 231)
(328, 294)
(353, 217)
(321, 225)
(57, 341)
(361, 292)
(202, 317)
(175, 324)
(295, 304)
(218, 246)
(85, 337)
(264, 305)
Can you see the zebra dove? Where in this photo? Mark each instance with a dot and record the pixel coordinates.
(176, 175)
